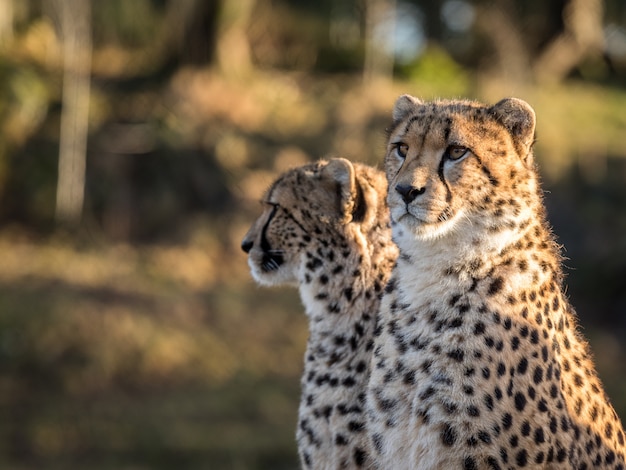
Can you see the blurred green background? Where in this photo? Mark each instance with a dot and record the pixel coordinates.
(131, 334)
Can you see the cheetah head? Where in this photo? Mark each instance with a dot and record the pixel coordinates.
(458, 166)
(314, 207)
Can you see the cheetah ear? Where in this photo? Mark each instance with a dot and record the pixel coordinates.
(518, 118)
(340, 177)
(405, 104)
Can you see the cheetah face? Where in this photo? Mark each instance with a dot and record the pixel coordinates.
(448, 164)
(301, 207)
(265, 243)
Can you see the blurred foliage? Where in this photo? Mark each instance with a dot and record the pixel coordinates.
(435, 68)
(138, 340)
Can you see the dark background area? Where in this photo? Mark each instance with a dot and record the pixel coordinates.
(131, 334)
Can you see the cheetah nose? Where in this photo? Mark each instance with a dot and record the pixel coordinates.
(408, 192)
(246, 245)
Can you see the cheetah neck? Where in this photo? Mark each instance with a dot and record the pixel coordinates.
(457, 249)
(341, 300)
(474, 252)
(341, 297)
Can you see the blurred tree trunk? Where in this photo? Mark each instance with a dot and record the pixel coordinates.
(199, 32)
(498, 22)
(378, 65)
(75, 31)
(6, 22)
(583, 33)
(189, 31)
(233, 48)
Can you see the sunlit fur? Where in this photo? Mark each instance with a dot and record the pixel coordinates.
(478, 363)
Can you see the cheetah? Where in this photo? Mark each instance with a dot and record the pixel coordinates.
(478, 363)
(325, 229)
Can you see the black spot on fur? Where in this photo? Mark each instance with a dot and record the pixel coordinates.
(356, 426)
(349, 382)
(448, 435)
(333, 308)
(359, 456)
(454, 299)
(539, 436)
(347, 292)
(469, 464)
(520, 401)
(314, 264)
(457, 355)
(493, 463)
(495, 286)
(522, 366)
(377, 440)
(427, 393)
(489, 402)
(409, 378)
(507, 421)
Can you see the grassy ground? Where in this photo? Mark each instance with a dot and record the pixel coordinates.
(109, 358)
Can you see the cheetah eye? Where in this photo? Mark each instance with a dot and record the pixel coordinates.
(401, 149)
(456, 152)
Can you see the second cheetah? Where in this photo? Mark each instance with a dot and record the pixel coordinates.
(325, 229)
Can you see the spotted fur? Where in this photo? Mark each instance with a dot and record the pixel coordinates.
(325, 229)
(478, 363)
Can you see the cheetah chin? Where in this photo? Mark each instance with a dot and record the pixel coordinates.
(270, 272)
(423, 230)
